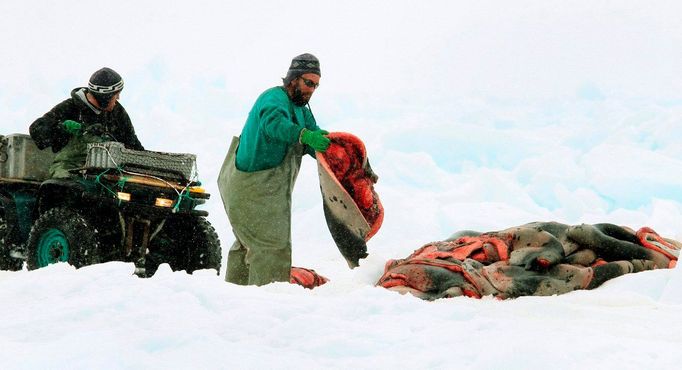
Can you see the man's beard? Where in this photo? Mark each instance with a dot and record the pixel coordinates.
(297, 97)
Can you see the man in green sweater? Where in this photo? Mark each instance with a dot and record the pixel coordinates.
(259, 172)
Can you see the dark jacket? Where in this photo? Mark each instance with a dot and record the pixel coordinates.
(47, 132)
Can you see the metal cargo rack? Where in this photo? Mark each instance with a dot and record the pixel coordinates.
(114, 155)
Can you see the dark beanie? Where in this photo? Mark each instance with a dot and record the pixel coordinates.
(104, 84)
(302, 64)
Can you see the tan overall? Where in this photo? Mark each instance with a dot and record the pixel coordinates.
(73, 155)
(258, 205)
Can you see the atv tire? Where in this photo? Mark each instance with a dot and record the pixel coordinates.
(185, 243)
(62, 235)
(6, 262)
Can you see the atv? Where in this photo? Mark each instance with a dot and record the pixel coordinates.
(122, 205)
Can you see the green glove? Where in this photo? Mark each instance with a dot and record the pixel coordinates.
(72, 127)
(315, 139)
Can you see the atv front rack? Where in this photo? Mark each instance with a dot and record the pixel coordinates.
(114, 155)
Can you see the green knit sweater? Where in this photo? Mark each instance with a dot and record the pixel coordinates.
(274, 124)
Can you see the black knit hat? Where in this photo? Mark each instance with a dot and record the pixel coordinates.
(104, 84)
(302, 64)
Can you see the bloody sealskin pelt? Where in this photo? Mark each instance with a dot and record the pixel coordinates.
(352, 208)
(306, 278)
(539, 259)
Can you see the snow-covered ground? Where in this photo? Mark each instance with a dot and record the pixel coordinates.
(475, 116)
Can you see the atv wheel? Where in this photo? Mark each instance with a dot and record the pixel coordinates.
(62, 235)
(185, 243)
(6, 262)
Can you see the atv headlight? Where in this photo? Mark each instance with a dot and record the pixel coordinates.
(123, 196)
(196, 189)
(163, 202)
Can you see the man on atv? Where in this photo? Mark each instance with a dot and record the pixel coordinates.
(92, 114)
